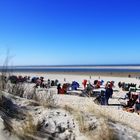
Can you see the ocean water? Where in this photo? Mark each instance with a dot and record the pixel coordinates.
(74, 68)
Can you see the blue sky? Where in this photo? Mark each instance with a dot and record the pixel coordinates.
(53, 32)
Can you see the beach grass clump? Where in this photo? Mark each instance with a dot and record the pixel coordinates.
(3, 83)
(5, 72)
(17, 89)
(113, 115)
(102, 132)
(79, 116)
(46, 98)
(83, 125)
(69, 109)
(28, 129)
(29, 126)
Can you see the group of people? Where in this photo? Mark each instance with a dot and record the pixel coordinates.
(133, 102)
(102, 97)
(66, 87)
(132, 98)
(62, 89)
(18, 79)
(38, 81)
(105, 95)
(126, 86)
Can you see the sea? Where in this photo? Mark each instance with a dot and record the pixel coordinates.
(73, 68)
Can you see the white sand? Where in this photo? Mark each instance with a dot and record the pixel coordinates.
(80, 78)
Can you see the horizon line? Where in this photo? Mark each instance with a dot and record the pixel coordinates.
(67, 65)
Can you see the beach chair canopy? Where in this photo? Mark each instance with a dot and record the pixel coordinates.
(74, 85)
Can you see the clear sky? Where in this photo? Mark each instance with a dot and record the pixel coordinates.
(53, 32)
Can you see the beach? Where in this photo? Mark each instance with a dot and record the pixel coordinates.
(74, 106)
(69, 70)
(82, 75)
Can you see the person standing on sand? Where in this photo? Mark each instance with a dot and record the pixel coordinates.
(64, 79)
(137, 105)
(108, 93)
(58, 88)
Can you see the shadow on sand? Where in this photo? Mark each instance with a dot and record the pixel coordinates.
(114, 105)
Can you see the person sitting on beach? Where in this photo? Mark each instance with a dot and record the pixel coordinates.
(64, 88)
(126, 87)
(119, 84)
(42, 85)
(56, 82)
(28, 78)
(137, 103)
(98, 84)
(38, 82)
(130, 106)
(49, 82)
(100, 98)
(88, 91)
(112, 84)
(52, 83)
(34, 79)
